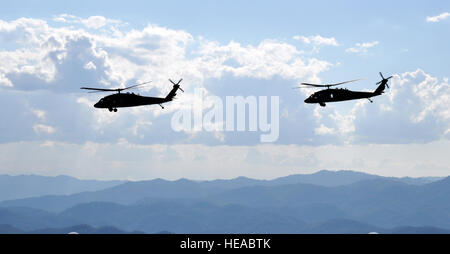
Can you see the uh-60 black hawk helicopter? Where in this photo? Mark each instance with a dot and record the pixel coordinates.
(119, 100)
(333, 95)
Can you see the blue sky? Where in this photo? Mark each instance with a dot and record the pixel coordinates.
(257, 48)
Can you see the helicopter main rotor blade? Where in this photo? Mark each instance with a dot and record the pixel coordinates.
(99, 89)
(112, 90)
(328, 85)
(346, 82)
(135, 85)
(301, 87)
(314, 85)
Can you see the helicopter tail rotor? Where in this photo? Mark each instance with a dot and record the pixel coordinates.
(177, 84)
(173, 92)
(384, 80)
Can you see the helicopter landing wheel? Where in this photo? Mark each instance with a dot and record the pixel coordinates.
(110, 109)
(115, 110)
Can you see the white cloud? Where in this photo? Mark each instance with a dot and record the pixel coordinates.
(92, 22)
(434, 96)
(264, 61)
(4, 81)
(42, 128)
(140, 124)
(151, 53)
(362, 47)
(317, 40)
(41, 114)
(438, 18)
(414, 109)
(90, 66)
(61, 59)
(323, 130)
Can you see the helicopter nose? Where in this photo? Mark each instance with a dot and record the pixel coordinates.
(97, 105)
(307, 100)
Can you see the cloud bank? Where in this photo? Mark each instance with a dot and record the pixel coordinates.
(45, 62)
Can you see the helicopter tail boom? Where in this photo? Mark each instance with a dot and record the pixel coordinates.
(380, 89)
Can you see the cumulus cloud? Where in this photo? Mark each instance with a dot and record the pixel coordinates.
(362, 47)
(414, 109)
(317, 40)
(433, 96)
(39, 114)
(323, 130)
(268, 59)
(42, 128)
(49, 64)
(440, 17)
(92, 22)
(61, 59)
(44, 66)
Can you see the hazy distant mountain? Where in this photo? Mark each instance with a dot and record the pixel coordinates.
(342, 226)
(131, 192)
(416, 230)
(8, 229)
(359, 201)
(79, 229)
(28, 219)
(165, 217)
(127, 193)
(326, 178)
(380, 202)
(24, 186)
(418, 180)
(345, 226)
(322, 178)
(83, 229)
(199, 217)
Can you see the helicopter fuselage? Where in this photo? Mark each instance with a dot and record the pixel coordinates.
(342, 94)
(120, 100)
(332, 95)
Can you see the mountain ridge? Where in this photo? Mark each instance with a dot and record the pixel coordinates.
(31, 185)
(248, 204)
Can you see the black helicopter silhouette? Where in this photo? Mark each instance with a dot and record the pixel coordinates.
(119, 100)
(334, 95)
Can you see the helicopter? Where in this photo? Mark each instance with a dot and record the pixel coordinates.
(119, 100)
(342, 94)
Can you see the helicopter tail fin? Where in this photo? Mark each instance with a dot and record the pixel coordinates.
(173, 92)
(383, 84)
(380, 89)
